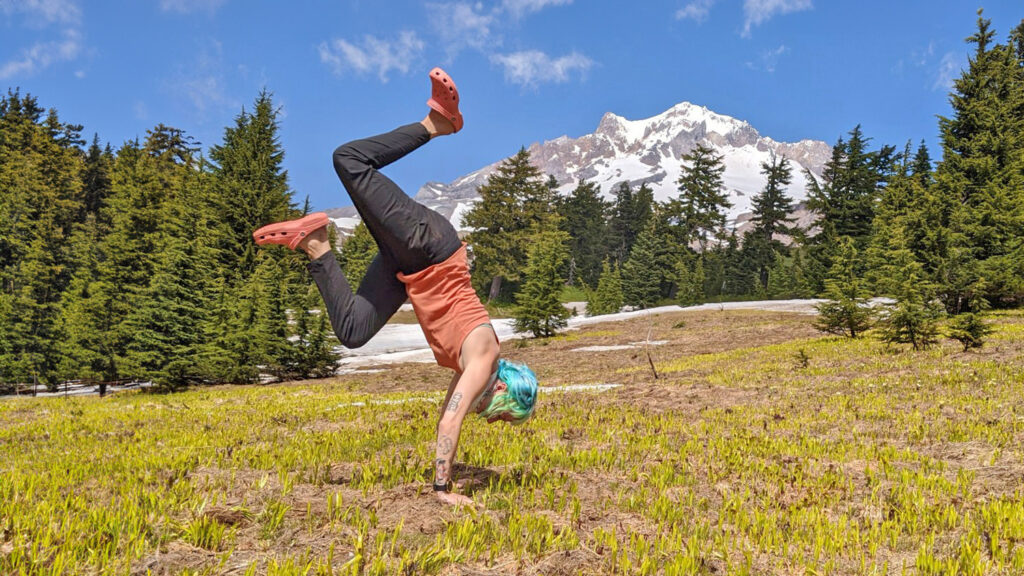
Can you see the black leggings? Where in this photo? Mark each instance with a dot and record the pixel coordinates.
(410, 236)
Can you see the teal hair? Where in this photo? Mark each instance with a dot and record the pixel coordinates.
(519, 398)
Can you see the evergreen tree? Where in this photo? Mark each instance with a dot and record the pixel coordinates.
(788, 278)
(41, 203)
(607, 298)
(914, 317)
(584, 218)
(514, 200)
(845, 198)
(690, 279)
(538, 309)
(703, 200)
(921, 167)
(739, 271)
(846, 311)
(314, 343)
(250, 188)
(771, 215)
(96, 178)
(641, 278)
(356, 254)
(630, 214)
(981, 175)
(970, 330)
(250, 184)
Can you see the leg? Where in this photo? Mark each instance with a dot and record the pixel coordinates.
(415, 235)
(357, 317)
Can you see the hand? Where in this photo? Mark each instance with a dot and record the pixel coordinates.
(455, 499)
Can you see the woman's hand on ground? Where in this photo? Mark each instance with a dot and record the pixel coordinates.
(455, 499)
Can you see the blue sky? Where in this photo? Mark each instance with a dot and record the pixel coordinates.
(528, 70)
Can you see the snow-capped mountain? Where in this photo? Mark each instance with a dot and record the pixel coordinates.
(637, 151)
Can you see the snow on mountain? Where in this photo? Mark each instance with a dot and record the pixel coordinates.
(644, 151)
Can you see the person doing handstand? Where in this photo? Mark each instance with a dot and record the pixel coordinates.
(421, 258)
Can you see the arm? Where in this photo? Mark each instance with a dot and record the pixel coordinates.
(448, 396)
(479, 366)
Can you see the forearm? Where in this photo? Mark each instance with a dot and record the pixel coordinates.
(444, 455)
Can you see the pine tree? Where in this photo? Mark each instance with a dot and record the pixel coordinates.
(845, 311)
(250, 189)
(584, 218)
(356, 254)
(41, 203)
(607, 298)
(970, 330)
(914, 317)
(845, 198)
(538, 309)
(314, 341)
(630, 214)
(703, 200)
(772, 208)
(514, 200)
(641, 278)
(250, 182)
(690, 278)
(981, 175)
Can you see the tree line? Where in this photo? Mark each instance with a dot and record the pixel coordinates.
(138, 263)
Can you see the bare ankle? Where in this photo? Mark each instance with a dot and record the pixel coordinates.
(437, 125)
(317, 244)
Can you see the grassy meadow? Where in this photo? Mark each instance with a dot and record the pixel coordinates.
(761, 447)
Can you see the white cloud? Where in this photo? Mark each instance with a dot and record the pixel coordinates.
(533, 67)
(463, 25)
(697, 10)
(520, 8)
(141, 110)
(759, 11)
(189, 6)
(949, 70)
(43, 12)
(770, 58)
(43, 54)
(202, 84)
(374, 55)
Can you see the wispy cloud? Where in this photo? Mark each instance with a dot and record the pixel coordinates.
(202, 85)
(41, 15)
(697, 10)
(758, 12)
(373, 55)
(769, 59)
(949, 70)
(520, 8)
(532, 67)
(43, 12)
(189, 6)
(463, 25)
(41, 55)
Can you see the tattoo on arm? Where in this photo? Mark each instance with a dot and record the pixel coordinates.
(453, 405)
(444, 445)
(444, 458)
(441, 475)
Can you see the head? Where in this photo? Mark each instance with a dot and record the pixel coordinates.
(515, 394)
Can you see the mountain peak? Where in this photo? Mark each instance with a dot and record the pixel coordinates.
(650, 151)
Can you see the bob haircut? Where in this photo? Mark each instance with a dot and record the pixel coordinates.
(520, 397)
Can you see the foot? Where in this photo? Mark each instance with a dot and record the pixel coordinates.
(316, 244)
(437, 125)
(444, 98)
